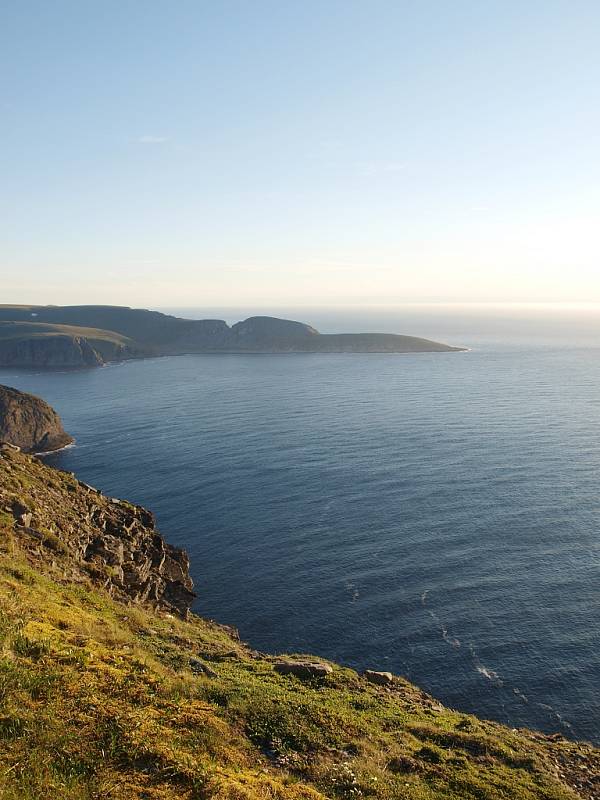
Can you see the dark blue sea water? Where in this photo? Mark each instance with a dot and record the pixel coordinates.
(434, 515)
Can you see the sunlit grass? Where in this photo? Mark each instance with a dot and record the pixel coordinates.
(99, 700)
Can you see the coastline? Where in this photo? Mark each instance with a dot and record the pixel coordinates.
(42, 453)
(149, 697)
(116, 362)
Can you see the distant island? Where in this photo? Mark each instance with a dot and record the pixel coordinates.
(87, 336)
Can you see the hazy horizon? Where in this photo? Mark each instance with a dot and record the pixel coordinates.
(461, 324)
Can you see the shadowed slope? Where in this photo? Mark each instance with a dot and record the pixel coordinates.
(49, 345)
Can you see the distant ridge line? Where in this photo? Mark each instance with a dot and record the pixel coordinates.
(91, 335)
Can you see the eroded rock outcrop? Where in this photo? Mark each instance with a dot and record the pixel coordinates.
(49, 352)
(113, 543)
(29, 422)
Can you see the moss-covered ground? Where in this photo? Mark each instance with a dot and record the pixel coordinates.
(103, 700)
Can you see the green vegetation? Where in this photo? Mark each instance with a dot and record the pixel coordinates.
(99, 699)
(104, 342)
(9, 330)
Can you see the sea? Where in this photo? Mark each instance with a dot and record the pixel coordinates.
(434, 515)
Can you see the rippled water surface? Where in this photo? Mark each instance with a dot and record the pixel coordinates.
(434, 515)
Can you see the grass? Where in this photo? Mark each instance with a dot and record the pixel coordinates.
(98, 700)
(18, 330)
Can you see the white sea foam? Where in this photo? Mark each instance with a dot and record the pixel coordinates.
(453, 641)
(488, 673)
(58, 450)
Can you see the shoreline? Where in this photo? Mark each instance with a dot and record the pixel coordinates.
(41, 453)
(68, 370)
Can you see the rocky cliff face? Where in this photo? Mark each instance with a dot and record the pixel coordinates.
(56, 351)
(29, 422)
(111, 542)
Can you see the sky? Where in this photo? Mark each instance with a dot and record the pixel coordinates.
(324, 152)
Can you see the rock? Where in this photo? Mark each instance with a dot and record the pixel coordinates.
(22, 514)
(228, 654)
(49, 352)
(18, 508)
(303, 669)
(200, 668)
(380, 678)
(232, 631)
(220, 656)
(88, 487)
(114, 543)
(31, 532)
(30, 423)
(140, 563)
(403, 764)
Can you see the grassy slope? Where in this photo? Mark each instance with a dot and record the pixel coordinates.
(103, 341)
(12, 330)
(97, 700)
(146, 328)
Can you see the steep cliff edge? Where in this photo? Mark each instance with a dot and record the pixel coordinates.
(42, 345)
(110, 541)
(109, 690)
(49, 352)
(29, 422)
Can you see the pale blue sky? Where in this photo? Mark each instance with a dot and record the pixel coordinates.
(277, 153)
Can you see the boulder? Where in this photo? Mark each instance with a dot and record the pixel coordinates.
(200, 668)
(5, 447)
(305, 670)
(22, 514)
(380, 678)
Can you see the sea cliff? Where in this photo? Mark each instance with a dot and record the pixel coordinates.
(85, 336)
(111, 688)
(29, 422)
